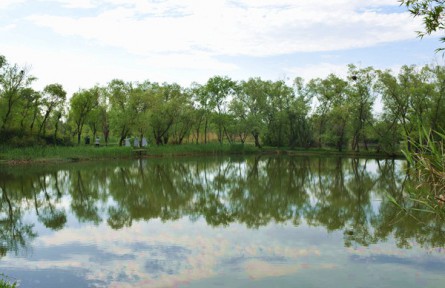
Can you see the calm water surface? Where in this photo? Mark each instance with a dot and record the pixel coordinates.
(216, 222)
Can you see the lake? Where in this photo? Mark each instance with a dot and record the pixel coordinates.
(256, 221)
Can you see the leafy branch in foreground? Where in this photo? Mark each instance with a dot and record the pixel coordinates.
(432, 12)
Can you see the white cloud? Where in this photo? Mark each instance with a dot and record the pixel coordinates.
(75, 4)
(8, 27)
(188, 61)
(260, 28)
(200, 251)
(185, 41)
(4, 4)
(321, 70)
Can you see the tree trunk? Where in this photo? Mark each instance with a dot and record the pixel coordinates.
(256, 137)
(205, 131)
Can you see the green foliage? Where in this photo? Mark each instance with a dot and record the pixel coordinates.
(329, 112)
(429, 162)
(81, 104)
(432, 14)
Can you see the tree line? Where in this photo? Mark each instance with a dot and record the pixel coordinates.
(334, 111)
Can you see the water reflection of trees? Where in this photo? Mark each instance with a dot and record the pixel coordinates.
(14, 233)
(335, 193)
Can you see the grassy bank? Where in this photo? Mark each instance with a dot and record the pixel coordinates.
(81, 153)
(49, 153)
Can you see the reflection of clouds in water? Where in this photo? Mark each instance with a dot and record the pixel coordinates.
(152, 255)
(427, 264)
(257, 269)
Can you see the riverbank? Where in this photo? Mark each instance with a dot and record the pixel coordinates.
(50, 154)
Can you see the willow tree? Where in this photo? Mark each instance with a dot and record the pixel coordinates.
(13, 79)
(407, 98)
(361, 97)
(170, 103)
(30, 109)
(330, 96)
(82, 103)
(121, 118)
(52, 100)
(202, 110)
(297, 111)
(219, 89)
(249, 107)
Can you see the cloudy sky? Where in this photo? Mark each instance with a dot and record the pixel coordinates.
(79, 43)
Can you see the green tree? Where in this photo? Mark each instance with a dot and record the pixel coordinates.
(82, 103)
(139, 106)
(121, 116)
(279, 99)
(297, 110)
(169, 106)
(407, 98)
(330, 95)
(52, 100)
(202, 110)
(185, 120)
(13, 79)
(30, 109)
(218, 90)
(250, 107)
(361, 99)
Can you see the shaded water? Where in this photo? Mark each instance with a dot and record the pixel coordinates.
(216, 222)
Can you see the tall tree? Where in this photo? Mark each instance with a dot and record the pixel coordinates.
(297, 110)
(361, 99)
(170, 104)
(219, 89)
(279, 98)
(202, 109)
(329, 93)
(82, 103)
(121, 117)
(13, 79)
(407, 99)
(250, 107)
(52, 100)
(30, 109)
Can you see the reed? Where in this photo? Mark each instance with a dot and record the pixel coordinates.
(427, 166)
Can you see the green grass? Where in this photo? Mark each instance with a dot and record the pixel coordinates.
(50, 153)
(80, 153)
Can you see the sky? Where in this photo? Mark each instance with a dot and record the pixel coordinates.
(81, 43)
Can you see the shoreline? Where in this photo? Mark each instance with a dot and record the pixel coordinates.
(51, 155)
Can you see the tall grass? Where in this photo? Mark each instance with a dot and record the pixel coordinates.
(427, 161)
